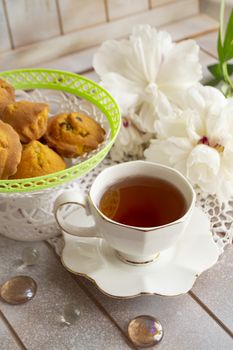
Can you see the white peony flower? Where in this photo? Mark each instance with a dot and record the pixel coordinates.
(130, 141)
(146, 71)
(198, 141)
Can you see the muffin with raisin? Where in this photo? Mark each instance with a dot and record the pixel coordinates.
(73, 134)
(10, 150)
(29, 119)
(37, 160)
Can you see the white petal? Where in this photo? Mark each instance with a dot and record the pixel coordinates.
(180, 70)
(203, 165)
(168, 152)
(149, 47)
(227, 162)
(145, 117)
(173, 150)
(111, 57)
(168, 127)
(155, 153)
(214, 98)
(214, 102)
(227, 114)
(123, 90)
(196, 126)
(219, 128)
(195, 99)
(177, 149)
(202, 98)
(137, 59)
(164, 108)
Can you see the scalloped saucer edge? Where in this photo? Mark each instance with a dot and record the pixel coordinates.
(173, 273)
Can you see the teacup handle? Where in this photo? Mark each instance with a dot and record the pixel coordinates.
(77, 198)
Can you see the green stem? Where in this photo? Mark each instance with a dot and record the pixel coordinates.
(226, 75)
(221, 34)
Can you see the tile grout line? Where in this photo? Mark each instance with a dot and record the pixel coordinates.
(198, 35)
(12, 331)
(208, 53)
(103, 310)
(149, 5)
(93, 299)
(89, 70)
(210, 313)
(8, 25)
(106, 10)
(60, 22)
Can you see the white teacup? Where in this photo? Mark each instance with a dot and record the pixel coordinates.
(133, 244)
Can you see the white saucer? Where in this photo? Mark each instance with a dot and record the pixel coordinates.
(173, 273)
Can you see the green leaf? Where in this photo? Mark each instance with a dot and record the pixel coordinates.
(213, 82)
(222, 70)
(216, 70)
(226, 90)
(228, 40)
(220, 48)
(230, 68)
(228, 55)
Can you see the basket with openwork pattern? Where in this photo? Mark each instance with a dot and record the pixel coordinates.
(26, 205)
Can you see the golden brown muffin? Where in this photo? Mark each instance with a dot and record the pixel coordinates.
(73, 134)
(7, 95)
(10, 150)
(9, 88)
(37, 160)
(29, 119)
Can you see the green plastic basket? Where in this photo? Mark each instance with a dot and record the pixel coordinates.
(25, 79)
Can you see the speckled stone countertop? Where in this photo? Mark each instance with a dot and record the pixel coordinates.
(199, 320)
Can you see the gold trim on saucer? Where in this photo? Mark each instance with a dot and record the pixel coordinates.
(137, 263)
(119, 297)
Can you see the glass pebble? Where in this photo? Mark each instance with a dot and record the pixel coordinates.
(18, 290)
(70, 314)
(145, 331)
(30, 256)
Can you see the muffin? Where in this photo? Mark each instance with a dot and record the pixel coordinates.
(29, 119)
(37, 160)
(7, 95)
(9, 88)
(73, 134)
(10, 150)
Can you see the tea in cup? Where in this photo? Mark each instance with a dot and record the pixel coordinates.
(139, 208)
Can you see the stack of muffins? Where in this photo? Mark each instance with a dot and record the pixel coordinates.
(31, 144)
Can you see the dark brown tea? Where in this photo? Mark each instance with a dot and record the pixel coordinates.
(143, 202)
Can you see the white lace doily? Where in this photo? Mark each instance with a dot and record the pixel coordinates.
(221, 217)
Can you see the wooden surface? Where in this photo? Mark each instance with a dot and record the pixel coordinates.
(200, 320)
(195, 27)
(4, 35)
(81, 13)
(83, 38)
(28, 22)
(123, 8)
(155, 3)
